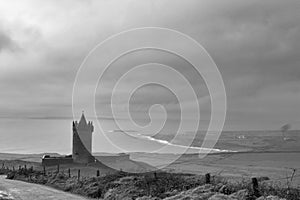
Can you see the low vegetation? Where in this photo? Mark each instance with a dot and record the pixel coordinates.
(157, 185)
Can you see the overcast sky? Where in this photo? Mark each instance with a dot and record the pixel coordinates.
(255, 44)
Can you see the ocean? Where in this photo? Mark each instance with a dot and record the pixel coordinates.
(55, 136)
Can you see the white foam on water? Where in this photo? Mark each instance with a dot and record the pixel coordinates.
(165, 142)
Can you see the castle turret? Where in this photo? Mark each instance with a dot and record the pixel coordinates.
(82, 141)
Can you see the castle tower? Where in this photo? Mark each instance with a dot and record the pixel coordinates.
(82, 141)
(85, 131)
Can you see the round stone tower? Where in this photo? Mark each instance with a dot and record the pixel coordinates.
(82, 141)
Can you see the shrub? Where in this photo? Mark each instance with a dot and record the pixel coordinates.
(10, 175)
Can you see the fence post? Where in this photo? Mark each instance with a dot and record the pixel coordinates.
(207, 178)
(69, 172)
(98, 173)
(2, 165)
(44, 169)
(57, 168)
(255, 187)
(78, 176)
(13, 168)
(155, 175)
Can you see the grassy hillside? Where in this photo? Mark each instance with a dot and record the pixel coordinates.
(156, 185)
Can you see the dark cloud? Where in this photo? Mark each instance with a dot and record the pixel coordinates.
(5, 41)
(254, 43)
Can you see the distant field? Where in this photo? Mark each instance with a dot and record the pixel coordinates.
(24, 157)
(242, 140)
(277, 166)
(16, 160)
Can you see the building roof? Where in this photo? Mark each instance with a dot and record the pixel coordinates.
(82, 122)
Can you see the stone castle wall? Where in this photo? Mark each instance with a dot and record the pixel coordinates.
(80, 153)
(56, 161)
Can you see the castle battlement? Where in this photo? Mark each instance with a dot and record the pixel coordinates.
(88, 126)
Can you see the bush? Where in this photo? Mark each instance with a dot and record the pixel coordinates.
(164, 183)
(10, 175)
(271, 188)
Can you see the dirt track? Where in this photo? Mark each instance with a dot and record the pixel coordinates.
(18, 190)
